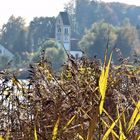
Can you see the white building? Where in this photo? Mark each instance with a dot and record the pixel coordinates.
(5, 52)
(62, 30)
(63, 34)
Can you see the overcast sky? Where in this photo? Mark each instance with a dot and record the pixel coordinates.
(32, 8)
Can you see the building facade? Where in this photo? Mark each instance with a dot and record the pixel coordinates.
(63, 35)
(63, 30)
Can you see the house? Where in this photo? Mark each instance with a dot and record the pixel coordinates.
(5, 52)
(63, 35)
(75, 50)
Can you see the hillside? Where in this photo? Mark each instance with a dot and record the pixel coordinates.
(87, 12)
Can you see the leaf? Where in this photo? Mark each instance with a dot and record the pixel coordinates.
(110, 129)
(122, 136)
(138, 137)
(82, 70)
(92, 125)
(108, 115)
(80, 137)
(103, 83)
(69, 122)
(113, 132)
(55, 130)
(124, 119)
(35, 134)
(1, 138)
(134, 118)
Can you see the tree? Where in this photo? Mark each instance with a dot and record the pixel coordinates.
(89, 11)
(82, 10)
(53, 53)
(10, 32)
(3, 62)
(40, 29)
(20, 45)
(49, 44)
(71, 10)
(95, 40)
(56, 56)
(128, 40)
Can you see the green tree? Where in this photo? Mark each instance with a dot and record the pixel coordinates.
(54, 53)
(10, 32)
(49, 44)
(3, 62)
(20, 45)
(95, 40)
(82, 14)
(56, 56)
(89, 11)
(40, 29)
(128, 40)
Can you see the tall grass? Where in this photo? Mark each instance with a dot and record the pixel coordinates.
(85, 101)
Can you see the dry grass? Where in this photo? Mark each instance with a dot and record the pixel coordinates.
(68, 106)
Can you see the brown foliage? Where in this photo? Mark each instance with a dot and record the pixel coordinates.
(72, 96)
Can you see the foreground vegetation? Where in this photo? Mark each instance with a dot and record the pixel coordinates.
(118, 21)
(86, 101)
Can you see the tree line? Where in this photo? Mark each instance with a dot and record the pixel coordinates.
(124, 40)
(93, 22)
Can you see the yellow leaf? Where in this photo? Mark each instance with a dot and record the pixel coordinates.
(134, 118)
(55, 130)
(80, 137)
(69, 122)
(108, 115)
(35, 134)
(124, 119)
(110, 129)
(1, 138)
(138, 137)
(122, 136)
(137, 119)
(82, 70)
(103, 83)
(113, 132)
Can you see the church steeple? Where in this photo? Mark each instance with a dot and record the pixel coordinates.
(63, 30)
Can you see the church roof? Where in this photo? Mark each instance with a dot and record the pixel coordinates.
(65, 18)
(74, 45)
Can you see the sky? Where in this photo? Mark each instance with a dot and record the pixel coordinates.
(36, 8)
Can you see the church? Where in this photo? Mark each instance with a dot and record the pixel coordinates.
(63, 35)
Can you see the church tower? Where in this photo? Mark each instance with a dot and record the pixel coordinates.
(63, 30)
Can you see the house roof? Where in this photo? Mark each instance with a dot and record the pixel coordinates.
(65, 18)
(74, 45)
